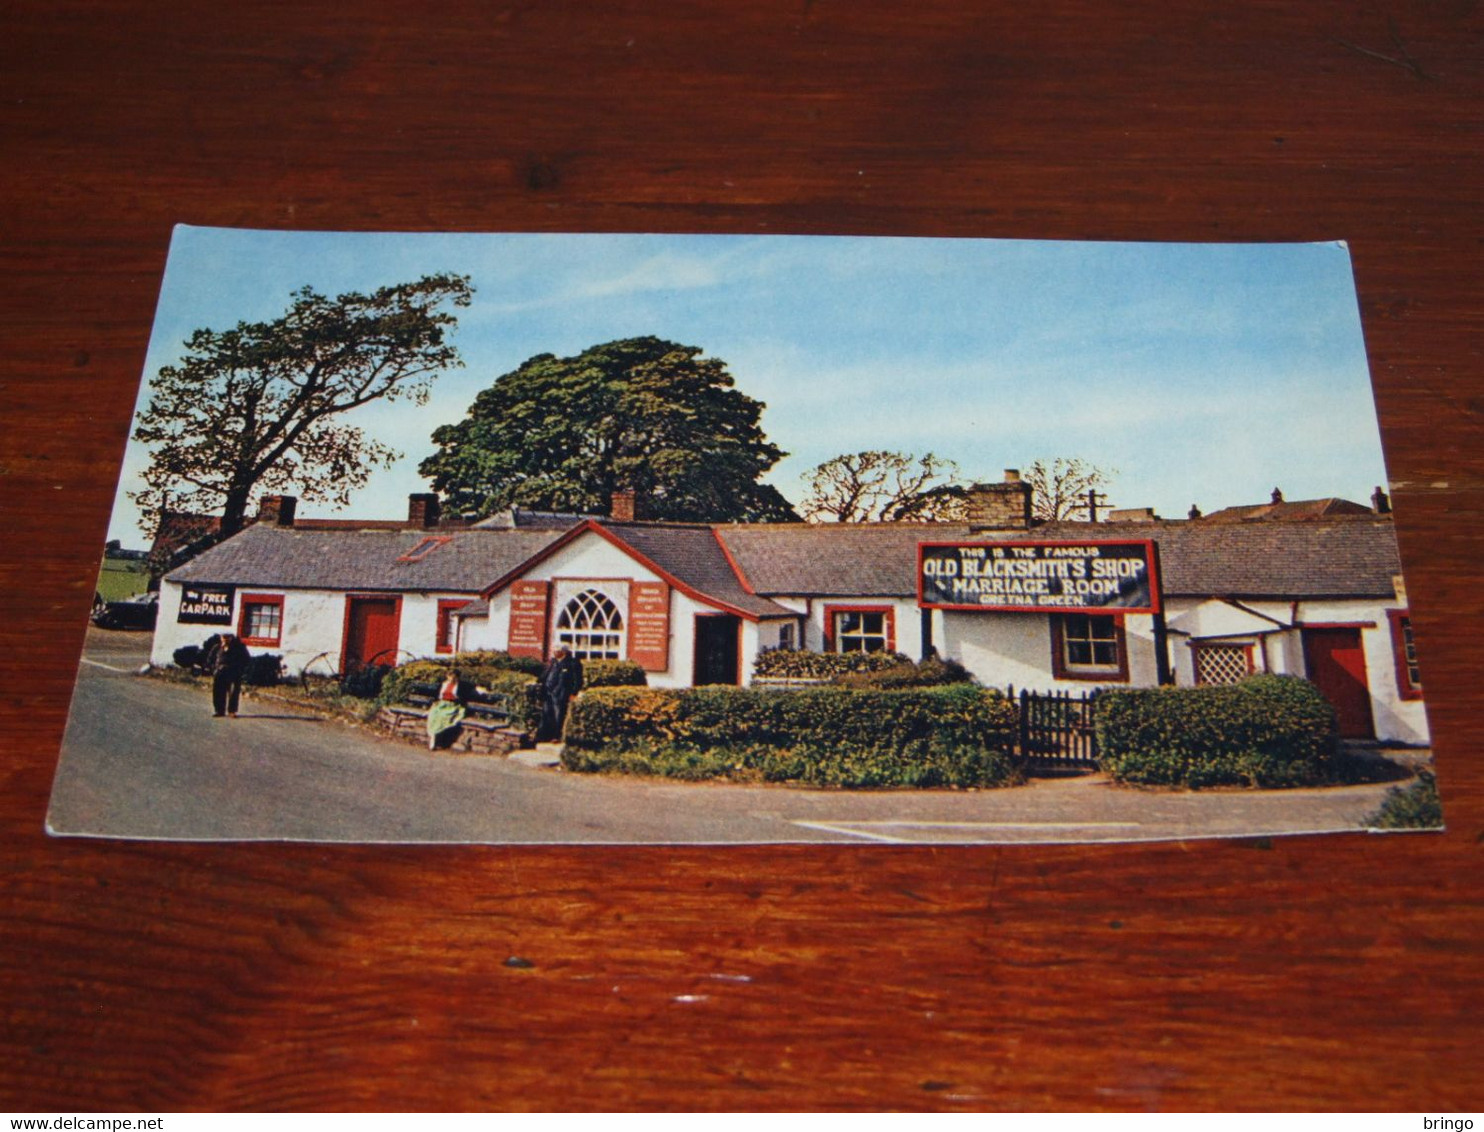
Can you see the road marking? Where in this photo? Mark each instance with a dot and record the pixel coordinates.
(854, 828)
(111, 668)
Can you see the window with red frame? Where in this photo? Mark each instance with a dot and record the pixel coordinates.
(447, 624)
(261, 619)
(1088, 646)
(859, 629)
(1404, 648)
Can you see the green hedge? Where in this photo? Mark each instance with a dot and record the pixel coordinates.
(929, 673)
(951, 736)
(612, 674)
(798, 664)
(1265, 731)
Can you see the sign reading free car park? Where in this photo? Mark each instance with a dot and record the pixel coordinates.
(206, 605)
(1028, 576)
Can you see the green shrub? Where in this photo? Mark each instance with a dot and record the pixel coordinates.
(613, 674)
(826, 736)
(495, 659)
(929, 673)
(1265, 731)
(801, 664)
(264, 670)
(1414, 806)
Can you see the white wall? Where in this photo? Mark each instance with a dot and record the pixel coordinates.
(592, 562)
(313, 625)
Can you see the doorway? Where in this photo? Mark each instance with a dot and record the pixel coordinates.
(1335, 659)
(372, 625)
(718, 649)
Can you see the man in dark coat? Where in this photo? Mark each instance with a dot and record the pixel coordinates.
(560, 681)
(228, 665)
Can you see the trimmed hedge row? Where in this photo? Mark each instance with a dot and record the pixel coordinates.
(951, 736)
(1264, 731)
(804, 664)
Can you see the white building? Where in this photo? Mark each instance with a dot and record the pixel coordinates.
(1311, 589)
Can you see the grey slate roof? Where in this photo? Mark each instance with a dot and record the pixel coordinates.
(1352, 556)
(868, 559)
(1340, 557)
(290, 558)
(692, 554)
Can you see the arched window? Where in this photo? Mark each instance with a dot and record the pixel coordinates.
(591, 626)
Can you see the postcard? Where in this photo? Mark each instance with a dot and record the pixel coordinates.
(715, 539)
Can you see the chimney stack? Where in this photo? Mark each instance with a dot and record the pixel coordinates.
(624, 506)
(1380, 502)
(278, 510)
(423, 510)
(1000, 506)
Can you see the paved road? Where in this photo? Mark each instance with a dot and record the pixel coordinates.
(144, 758)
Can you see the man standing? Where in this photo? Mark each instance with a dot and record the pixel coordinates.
(560, 681)
(228, 664)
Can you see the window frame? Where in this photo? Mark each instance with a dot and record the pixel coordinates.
(246, 600)
(445, 634)
(1400, 621)
(424, 548)
(567, 637)
(1249, 651)
(888, 626)
(1063, 669)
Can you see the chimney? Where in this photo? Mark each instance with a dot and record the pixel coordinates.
(1277, 495)
(1000, 506)
(423, 510)
(1132, 515)
(624, 506)
(1194, 512)
(277, 510)
(1380, 502)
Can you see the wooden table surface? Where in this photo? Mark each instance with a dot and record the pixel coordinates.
(1326, 972)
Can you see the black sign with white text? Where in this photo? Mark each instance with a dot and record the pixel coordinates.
(1025, 576)
(206, 605)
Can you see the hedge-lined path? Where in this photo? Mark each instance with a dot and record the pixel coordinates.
(144, 758)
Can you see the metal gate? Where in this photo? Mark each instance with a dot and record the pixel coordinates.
(1056, 729)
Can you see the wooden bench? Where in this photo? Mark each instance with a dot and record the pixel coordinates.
(490, 707)
(485, 729)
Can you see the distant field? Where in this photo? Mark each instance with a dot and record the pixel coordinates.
(119, 579)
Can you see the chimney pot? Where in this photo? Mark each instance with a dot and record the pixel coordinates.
(1277, 495)
(1380, 502)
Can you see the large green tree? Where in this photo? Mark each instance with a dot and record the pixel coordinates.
(259, 407)
(641, 414)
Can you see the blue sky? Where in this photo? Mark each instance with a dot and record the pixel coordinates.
(1203, 373)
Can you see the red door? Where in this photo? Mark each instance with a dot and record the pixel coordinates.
(371, 628)
(1336, 663)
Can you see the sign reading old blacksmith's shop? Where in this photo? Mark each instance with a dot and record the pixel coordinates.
(1024, 576)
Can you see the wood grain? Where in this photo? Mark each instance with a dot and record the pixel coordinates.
(1336, 972)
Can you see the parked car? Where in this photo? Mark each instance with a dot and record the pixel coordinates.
(137, 612)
